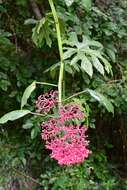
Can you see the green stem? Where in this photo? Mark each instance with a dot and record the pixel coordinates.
(76, 94)
(60, 46)
(43, 115)
(46, 83)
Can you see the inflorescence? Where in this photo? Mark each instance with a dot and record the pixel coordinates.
(63, 137)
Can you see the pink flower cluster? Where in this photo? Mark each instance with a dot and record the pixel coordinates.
(71, 148)
(71, 111)
(67, 142)
(47, 101)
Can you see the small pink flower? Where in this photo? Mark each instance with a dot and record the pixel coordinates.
(47, 101)
(71, 111)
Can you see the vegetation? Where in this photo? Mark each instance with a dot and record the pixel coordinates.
(80, 45)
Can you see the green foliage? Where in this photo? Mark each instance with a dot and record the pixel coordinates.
(88, 52)
(43, 32)
(94, 174)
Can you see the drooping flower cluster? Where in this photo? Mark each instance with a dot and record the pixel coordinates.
(66, 141)
(47, 101)
(63, 137)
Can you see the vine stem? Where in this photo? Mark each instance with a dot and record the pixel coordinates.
(60, 46)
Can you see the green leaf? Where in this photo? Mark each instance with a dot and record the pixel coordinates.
(27, 125)
(42, 32)
(102, 99)
(13, 115)
(30, 21)
(108, 67)
(95, 44)
(69, 53)
(73, 40)
(69, 2)
(4, 84)
(87, 4)
(80, 184)
(76, 67)
(48, 39)
(27, 93)
(74, 60)
(86, 65)
(34, 132)
(98, 65)
(68, 69)
(40, 24)
(111, 54)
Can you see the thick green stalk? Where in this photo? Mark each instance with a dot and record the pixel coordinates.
(60, 46)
